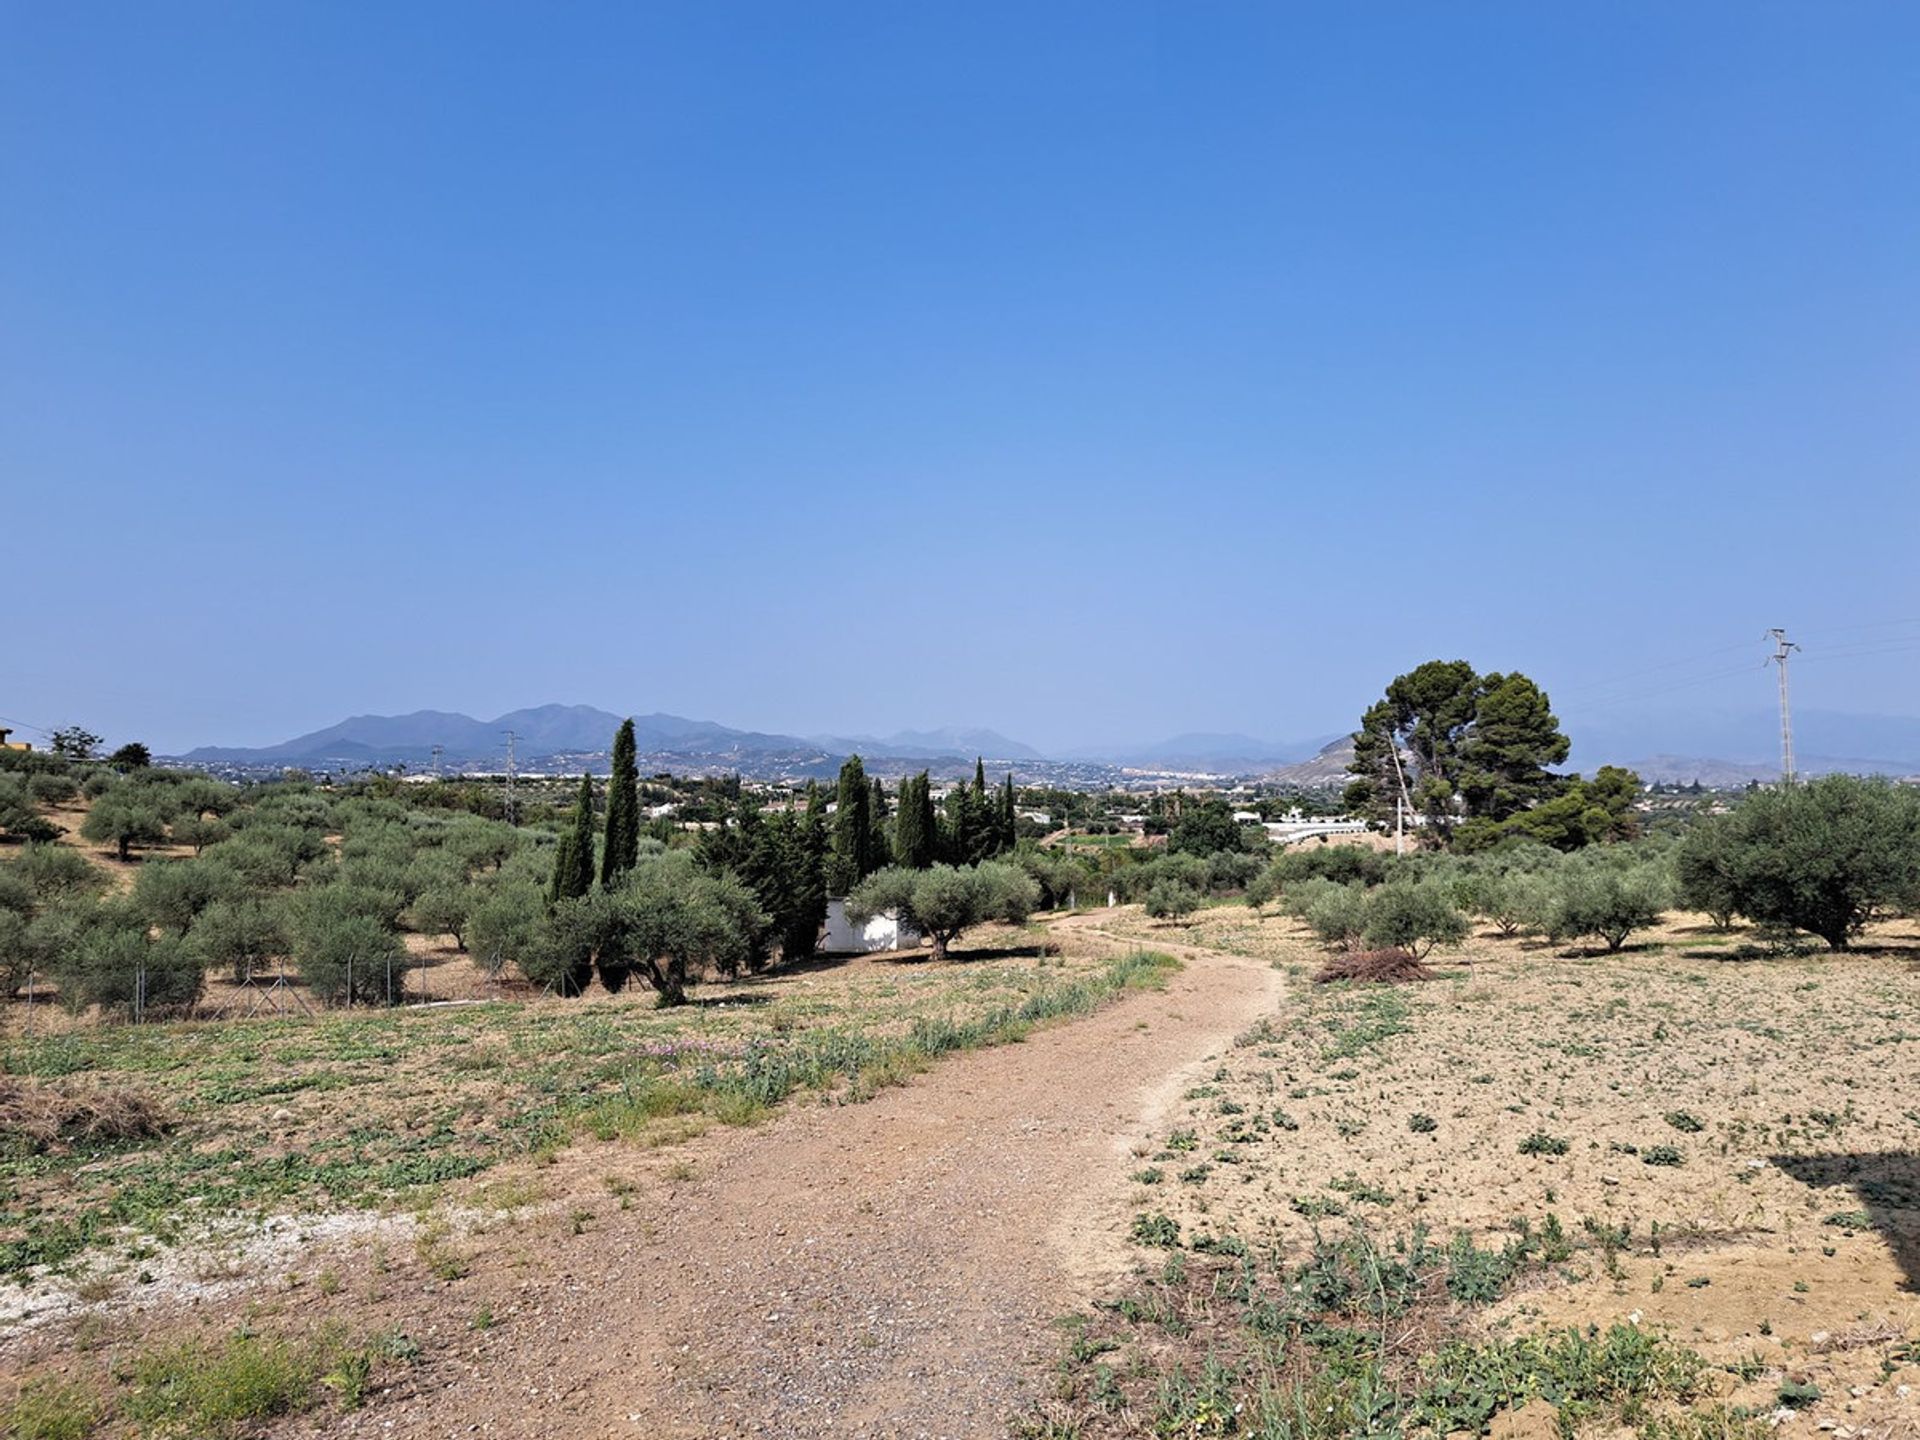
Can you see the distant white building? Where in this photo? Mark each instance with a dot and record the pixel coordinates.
(880, 932)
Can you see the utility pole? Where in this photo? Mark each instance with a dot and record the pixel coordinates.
(1781, 647)
(1402, 802)
(510, 740)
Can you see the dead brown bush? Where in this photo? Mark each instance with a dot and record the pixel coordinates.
(44, 1115)
(1373, 967)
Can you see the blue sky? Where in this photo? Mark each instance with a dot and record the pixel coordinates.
(1091, 372)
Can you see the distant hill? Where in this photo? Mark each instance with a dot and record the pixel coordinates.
(1747, 742)
(952, 742)
(1328, 766)
(541, 733)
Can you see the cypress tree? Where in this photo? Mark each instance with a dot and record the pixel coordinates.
(879, 846)
(573, 861)
(916, 833)
(1007, 826)
(852, 858)
(929, 822)
(623, 808)
(961, 834)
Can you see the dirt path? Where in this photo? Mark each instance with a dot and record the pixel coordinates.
(886, 1269)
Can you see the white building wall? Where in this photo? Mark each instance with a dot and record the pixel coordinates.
(880, 932)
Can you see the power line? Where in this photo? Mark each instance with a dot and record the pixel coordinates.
(1564, 691)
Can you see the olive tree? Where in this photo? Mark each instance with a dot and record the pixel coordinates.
(1171, 900)
(1337, 914)
(672, 924)
(503, 927)
(1826, 856)
(1413, 917)
(19, 818)
(109, 958)
(346, 948)
(1607, 902)
(172, 893)
(944, 902)
(123, 817)
(239, 935)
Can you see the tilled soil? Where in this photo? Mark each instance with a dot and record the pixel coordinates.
(883, 1269)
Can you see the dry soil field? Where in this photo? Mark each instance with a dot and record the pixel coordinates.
(1217, 1200)
(1717, 1148)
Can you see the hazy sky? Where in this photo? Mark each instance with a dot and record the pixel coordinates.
(1091, 372)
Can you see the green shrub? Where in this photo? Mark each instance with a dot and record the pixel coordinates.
(1172, 900)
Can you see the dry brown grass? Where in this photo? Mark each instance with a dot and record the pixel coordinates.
(1373, 967)
(47, 1115)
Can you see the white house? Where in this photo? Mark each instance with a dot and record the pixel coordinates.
(880, 932)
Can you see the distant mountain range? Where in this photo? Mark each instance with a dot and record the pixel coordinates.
(544, 732)
(1717, 750)
(579, 735)
(953, 741)
(1746, 743)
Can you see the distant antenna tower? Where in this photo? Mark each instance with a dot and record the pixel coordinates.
(1781, 647)
(510, 740)
(438, 751)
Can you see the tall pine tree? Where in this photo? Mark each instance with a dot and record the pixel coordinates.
(573, 860)
(623, 808)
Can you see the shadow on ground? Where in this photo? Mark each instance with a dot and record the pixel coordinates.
(1886, 1188)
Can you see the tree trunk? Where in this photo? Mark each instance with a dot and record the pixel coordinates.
(939, 947)
(126, 847)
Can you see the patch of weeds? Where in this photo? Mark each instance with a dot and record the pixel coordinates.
(1715, 1422)
(1849, 1220)
(52, 1410)
(1662, 1155)
(1378, 1016)
(1156, 1230)
(1798, 1394)
(1587, 1374)
(1684, 1122)
(226, 1389)
(1541, 1143)
(1317, 1207)
(1421, 1123)
(1152, 1175)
